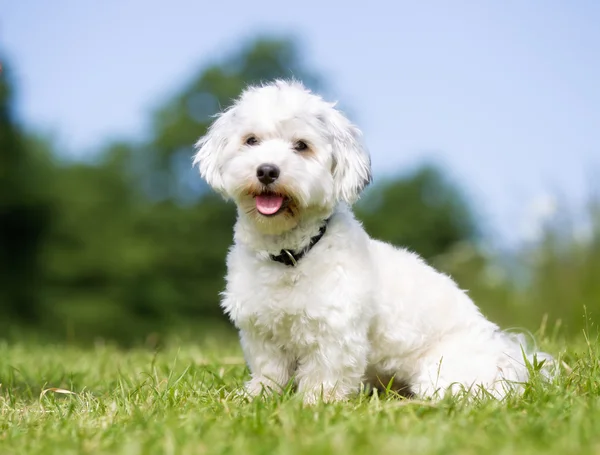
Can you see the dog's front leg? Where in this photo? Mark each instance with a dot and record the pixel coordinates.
(270, 366)
(332, 372)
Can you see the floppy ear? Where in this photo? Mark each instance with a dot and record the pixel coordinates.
(351, 160)
(209, 148)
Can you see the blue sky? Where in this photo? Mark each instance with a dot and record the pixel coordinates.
(506, 94)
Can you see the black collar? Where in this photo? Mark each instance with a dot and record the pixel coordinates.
(291, 258)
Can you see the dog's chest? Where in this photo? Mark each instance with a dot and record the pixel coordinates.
(283, 305)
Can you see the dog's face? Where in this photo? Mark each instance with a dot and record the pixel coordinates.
(282, 153)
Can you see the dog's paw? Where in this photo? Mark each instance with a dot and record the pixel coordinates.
(261, 387)
(322, 394)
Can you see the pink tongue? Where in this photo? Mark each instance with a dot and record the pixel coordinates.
(268, 204)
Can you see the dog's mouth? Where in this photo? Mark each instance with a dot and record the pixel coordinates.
(271, 204)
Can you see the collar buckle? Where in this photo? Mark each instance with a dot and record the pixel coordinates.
(289, 258)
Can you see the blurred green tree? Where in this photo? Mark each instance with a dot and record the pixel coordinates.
(24, 212)
(135, 243)
(423, 212)
(139, 241)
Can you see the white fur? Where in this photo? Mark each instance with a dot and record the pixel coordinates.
(354, 310)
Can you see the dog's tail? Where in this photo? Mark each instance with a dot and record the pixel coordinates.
(525, 353)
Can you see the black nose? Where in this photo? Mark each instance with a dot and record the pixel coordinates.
(267, 173)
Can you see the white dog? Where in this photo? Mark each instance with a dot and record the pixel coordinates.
(315, 299)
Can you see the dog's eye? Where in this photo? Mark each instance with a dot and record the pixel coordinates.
(300, 146)
(251, 140)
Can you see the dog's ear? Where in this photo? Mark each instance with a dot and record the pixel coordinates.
(209, 149)
(351, 160)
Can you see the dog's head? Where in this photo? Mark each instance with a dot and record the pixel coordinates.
(283, 153)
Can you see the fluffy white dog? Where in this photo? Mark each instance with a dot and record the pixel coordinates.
(315, 299)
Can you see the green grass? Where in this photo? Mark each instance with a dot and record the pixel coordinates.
(181, 400)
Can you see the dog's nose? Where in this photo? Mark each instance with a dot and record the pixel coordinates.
(267, 173)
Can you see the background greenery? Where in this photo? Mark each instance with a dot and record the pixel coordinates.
(130, 245)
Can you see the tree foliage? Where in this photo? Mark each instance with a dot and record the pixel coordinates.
(24, 213)
(423, 212)
(135, 243)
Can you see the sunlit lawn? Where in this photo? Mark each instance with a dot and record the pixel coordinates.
(181, 400)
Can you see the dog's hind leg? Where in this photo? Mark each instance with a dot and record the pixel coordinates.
(491, 366)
